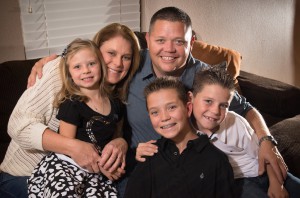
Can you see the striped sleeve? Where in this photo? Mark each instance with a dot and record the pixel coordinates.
(34, 111)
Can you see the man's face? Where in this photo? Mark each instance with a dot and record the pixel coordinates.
(169, 45)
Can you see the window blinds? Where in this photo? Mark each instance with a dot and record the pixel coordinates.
(53, 24)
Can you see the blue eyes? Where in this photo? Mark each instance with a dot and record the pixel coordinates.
(223, 106)
(89, 64)
(169, 109)
(125, 57)
(176, 42)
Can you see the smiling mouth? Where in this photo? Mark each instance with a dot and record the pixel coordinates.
(168, 126)
(167, 58)
(210, 118)
(114, 71)
(87, 78)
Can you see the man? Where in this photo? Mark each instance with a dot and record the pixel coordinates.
(169, 41)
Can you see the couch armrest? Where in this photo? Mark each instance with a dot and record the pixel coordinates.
(270, 96)
(287, 134)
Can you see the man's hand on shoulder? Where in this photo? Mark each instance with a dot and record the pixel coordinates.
(37, 69)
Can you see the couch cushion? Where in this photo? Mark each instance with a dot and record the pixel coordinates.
(213, 54)
(287, 133)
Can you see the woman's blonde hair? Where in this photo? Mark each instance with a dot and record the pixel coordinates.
(69, 89)
(120, 89)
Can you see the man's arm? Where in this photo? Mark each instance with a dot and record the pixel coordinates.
(268, 152)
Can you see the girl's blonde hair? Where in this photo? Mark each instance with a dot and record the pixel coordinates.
(120, 89)
(69, 89)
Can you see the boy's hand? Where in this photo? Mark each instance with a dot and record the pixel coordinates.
(37, 69)
(279, 192)
(276, 189)
(145, 149)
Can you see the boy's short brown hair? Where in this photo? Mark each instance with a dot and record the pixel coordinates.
(211, 76)
(167, 82)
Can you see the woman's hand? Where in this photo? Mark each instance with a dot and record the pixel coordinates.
(145, 149)
(85, 155)
(111, 176)
(113, 156)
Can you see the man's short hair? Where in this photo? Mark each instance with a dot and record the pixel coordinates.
(172, 14)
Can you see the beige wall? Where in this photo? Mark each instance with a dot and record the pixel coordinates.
(262, 31)
(11, 40)
(297, 44)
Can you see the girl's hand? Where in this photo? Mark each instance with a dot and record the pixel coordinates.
(145, 149)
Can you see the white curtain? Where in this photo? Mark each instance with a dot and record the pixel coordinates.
(49, 25)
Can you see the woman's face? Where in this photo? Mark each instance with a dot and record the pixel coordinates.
(117, 54)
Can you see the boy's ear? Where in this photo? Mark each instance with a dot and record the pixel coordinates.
(189, 107)
(190, 96)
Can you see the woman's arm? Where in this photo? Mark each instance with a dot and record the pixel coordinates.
(83, 153)
(34, 112)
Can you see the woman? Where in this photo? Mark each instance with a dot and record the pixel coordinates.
(32, 124)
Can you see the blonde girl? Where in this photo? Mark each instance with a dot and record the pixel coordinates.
(86, 112)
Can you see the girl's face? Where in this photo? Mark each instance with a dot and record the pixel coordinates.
(117, 54)
(210, 107)
(84, 68)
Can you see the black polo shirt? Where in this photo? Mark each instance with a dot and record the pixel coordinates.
(201, 170)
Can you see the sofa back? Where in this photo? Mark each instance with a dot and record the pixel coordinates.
(13, 81)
